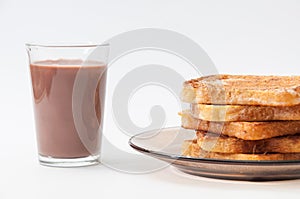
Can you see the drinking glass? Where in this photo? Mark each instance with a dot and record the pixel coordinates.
(68, 83)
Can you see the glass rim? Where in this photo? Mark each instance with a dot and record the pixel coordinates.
(66, 45)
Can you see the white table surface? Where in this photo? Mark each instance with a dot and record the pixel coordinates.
(241, 37)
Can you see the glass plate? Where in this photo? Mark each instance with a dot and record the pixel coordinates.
(165, 144)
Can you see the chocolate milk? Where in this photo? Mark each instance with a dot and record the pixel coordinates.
(68, 104)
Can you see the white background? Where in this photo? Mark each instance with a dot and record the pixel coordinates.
(241, 37)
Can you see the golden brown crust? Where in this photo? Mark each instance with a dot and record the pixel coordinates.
(187, 148)
(192, 149)
(244, 112)
(225, 144)
(242, 130)
(243, 90)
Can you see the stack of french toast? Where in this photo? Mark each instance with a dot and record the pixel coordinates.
(237, 117)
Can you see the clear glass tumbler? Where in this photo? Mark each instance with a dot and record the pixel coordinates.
(68, 85)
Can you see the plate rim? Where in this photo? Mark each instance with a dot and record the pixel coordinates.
(165, 155)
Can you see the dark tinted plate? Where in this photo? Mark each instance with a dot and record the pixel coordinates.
(165, 144)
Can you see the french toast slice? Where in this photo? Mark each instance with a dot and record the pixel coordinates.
(190, 148)
(244, 112)
(242, 130)
(224, 144)
(243, 90)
